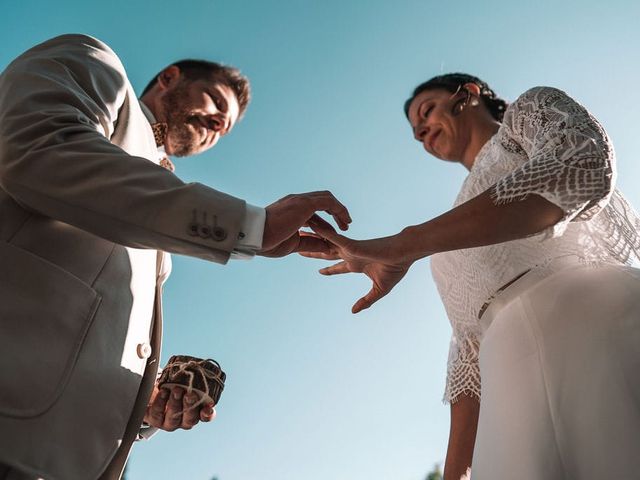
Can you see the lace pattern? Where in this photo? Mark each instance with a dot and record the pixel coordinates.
(551, 146)
(570, 156)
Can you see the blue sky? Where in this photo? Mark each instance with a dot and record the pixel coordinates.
(314, 392)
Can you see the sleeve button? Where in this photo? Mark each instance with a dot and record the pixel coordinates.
(219, 234)
(204, 231)
(192, 229)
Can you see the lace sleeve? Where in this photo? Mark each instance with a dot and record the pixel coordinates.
(463, 369)
(571, 160)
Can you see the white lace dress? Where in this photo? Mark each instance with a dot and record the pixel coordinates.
(551, 146)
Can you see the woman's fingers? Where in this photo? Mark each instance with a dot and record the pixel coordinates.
(325, 230)
(305, 233)
(312, 244)
(338, 268)
(369, 299)
(321, 256)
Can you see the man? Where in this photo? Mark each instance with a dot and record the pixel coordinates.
(85, 214)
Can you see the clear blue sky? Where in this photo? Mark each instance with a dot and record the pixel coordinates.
(314, 392)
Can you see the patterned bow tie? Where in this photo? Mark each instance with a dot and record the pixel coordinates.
(160, 134)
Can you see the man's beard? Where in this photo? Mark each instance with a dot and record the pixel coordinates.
(183, 140)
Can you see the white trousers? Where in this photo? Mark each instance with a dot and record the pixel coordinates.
(560, 368)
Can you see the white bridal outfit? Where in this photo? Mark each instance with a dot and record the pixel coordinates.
(558, 350)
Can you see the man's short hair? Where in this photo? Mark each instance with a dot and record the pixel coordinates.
(203, 69)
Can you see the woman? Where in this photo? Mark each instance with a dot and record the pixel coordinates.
(532, 267)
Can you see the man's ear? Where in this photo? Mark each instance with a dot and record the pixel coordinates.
(169, 77)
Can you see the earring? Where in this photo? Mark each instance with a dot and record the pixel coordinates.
(475, 102)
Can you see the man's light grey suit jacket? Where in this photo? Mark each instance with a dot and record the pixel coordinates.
(84, 216)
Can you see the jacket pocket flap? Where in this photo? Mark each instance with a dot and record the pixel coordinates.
(45, 313)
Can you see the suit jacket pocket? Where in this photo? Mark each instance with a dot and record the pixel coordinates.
(45, 313)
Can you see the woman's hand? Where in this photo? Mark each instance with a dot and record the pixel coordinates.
(300, 241)
(378, 259)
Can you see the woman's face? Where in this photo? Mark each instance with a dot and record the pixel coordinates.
(444, 134)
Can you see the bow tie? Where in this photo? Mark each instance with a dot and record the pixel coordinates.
(160, 134)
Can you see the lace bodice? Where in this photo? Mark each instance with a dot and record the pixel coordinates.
(551, 146)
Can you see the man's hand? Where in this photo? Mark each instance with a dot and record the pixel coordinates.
(376, 258)
(173, 409)
(286, 216)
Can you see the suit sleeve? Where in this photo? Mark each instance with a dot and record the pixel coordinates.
(59, 103)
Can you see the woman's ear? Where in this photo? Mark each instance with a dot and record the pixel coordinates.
(473, 94)
(472, 88)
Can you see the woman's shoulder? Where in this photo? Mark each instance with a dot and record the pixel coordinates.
(543, 97)
(543, 104)
(537, 97)
(540, 92)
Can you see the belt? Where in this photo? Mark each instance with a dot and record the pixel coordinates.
(486, 304)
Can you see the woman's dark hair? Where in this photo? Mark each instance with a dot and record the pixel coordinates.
(453, 82)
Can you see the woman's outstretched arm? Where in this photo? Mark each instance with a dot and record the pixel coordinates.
(477, 222)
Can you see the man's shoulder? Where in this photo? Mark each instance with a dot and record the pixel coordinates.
(87, 60)
(77, 44)
(79, 40)
(72, 49)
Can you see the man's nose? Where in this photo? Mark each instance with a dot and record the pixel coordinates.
(216, 122)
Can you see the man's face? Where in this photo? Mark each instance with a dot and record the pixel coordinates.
(197, 114)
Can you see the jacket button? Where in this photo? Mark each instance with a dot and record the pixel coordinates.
(218, 234)
(192, 229)
(204, 231)
(143, 350)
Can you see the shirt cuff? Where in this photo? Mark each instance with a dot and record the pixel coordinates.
(250, 237)
(146, 432)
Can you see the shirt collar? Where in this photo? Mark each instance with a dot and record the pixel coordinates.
(162, 154)
(147, 112)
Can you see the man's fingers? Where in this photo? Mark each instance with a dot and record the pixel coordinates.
(207, 413)
(190, 415)
(325, 201)
(173, 409)
(173, 413)
(336, 269)
(157, 408)
(369, 299)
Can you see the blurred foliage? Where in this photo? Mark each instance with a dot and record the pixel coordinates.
(435, 474)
